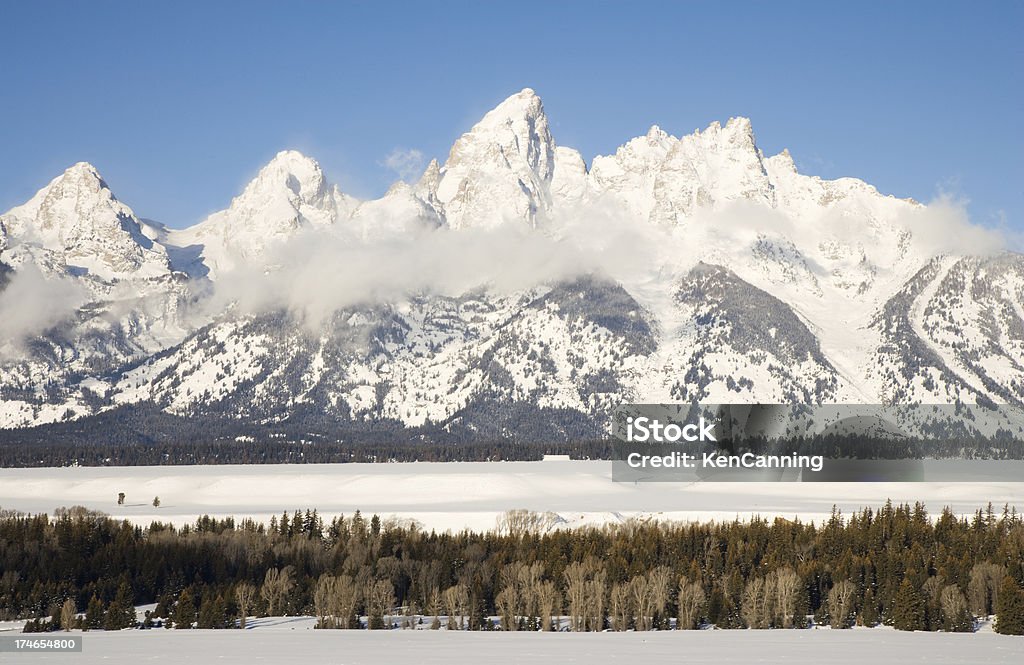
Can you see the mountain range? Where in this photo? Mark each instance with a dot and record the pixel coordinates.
(514, 290)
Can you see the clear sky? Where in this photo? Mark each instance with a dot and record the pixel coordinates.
(179, 103)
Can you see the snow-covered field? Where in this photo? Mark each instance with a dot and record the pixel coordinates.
(293, 642)
(458, 495)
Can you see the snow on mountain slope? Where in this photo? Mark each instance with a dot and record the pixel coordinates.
(954, 333)
(500, 170)
(98, 287)
(745, 345)
(711, 272)
(288, 194)
(78, 221)
(578, 346)
(399, 212)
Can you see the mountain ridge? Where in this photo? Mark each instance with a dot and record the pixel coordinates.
(685, 268)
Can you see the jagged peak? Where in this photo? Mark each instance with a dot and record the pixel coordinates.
(76, 178)
(293, 162)
(500, 169)
(399, 188)
(739, 124)
(430, 176)
(656, 133)
(290, 169)
(83, 169)
(783, 161)
(78, 181)
(516, 123)
(290, 158)
(521, 113)
(525, 103)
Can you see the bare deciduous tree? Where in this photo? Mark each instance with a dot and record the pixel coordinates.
(691, 603)
(343, 603)
(434, 605)
(642, 601)
(68, 612)
(549, 603)
(755, 601)
(585, 593)
(953, 606)
(276, 585)
(521, 522)
(840, 604)
(576, 594)
(456, 598)
(323, 593)
(518, 599)
(983, 589)
(596, 590)
(786, 584)
(245, 594)
(380, 598)
(620, 606)
(505, 603)
(659, 583)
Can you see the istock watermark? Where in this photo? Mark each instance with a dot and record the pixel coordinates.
(821, 443)
(644, 429)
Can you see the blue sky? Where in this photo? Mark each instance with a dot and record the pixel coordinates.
(179, 104)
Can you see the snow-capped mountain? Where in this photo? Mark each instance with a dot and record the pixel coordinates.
(690, 268)
(86, 288)
(75, 224)
(501, 169)
(287, 195)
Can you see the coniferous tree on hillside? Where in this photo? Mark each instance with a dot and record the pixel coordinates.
(121, 611)
(909, 611)
(1010, 608)
(185, 610)
(94, 614)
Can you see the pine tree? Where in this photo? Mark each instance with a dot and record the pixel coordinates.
(121, 612)
(207, 612)
(908, 614)
(94, 613)
(213, 611)
(1010, 608)
(869, 612)
(185, 610)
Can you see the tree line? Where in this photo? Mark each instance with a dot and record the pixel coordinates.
(895, 566)
(142, 434)
(24, 455)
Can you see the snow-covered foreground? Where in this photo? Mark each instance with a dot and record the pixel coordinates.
(458, 495)
(792, 647)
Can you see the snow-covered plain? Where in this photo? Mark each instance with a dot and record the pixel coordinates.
(294, 642)
(455, 496)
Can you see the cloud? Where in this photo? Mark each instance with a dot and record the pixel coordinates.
(943, 227)
(407, 163)
(321, 271)
(318, 272)
(31, 304)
